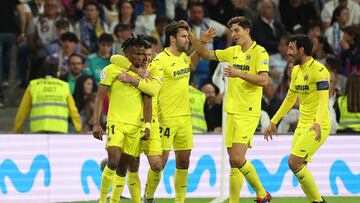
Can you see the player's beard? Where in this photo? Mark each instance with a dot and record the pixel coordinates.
(182, 47)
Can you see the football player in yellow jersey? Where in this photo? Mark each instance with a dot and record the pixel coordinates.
(173, 102)
(152, 147)
(248, 73)
(309, 83)
(124, 120)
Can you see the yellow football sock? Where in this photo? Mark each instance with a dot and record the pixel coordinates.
(308, 184)
(180, 182)
(134, 187)
(249, 172)
(152, 182)
(117, 188)
(106, 181)
(236, 182)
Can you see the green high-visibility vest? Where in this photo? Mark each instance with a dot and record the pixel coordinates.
(49, 109)
(347, 119)
(197, 102)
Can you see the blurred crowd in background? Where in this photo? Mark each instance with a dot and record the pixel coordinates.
(79, 36)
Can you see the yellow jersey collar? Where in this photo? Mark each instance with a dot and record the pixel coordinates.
(308, 63)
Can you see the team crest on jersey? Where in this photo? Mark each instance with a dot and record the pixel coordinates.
(248, 57)
(103, 75)
(306, 77)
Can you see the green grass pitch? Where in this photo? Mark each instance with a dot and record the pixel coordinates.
(251, 200)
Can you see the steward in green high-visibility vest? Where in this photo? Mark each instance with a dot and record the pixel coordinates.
(197, 102)
(349, 106)
(49, 101)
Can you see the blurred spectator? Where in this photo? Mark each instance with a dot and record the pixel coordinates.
(334, 33)
(68, 43)
(159, 31)
(197, 103)
(315, 29)
(332, 100)
(97, 61)
(111, 11)
(145, 23)
(213, 111)
(263, 122)
(181, 10)
(321, 49)
(333, 64)
(289, 121)
(220, 11)
(10, 32)
(127, 13)
(76, 68)
(36, 7)
(49, 102)
(270, 103)
(266, 30)
(296, 15)
(351, 50)
(278, 61)
(62, 26)
(122, 32)
(349, 106)
(90, 27)
(42, 32)
(327, 12)
(170, 6)
(84, 99)
(243, 8)
(198, 24)
(283, 87)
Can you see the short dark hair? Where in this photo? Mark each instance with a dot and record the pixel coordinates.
(62, 24)
(151, 40)
(70, 37)
(302, 40)
(107, 38)
(353, 30)
(161, 19)
(133, 41)
(92, 3)
(153, 3)
(121, 27)
(172, 29)
(195, 4)
(241, 21)
(78, 55)
(48, 69)
(313, 24)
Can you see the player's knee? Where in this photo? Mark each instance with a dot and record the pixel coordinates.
(121, 171)
(294, 165)
(236, 162)
(112, 163)
(182, 164)
(156, 166)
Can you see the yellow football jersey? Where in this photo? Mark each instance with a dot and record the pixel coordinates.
(242, 96)
(156, 72)
(174, 93)
(126, 101)
(306, 80)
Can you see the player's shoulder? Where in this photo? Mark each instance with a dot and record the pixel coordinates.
(295, 70)
(319, 68)
(258, 49)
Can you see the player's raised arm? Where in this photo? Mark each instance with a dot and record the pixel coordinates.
(201, 48)
(204, 39)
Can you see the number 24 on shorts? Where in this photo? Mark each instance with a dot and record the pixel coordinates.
(166, 132)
